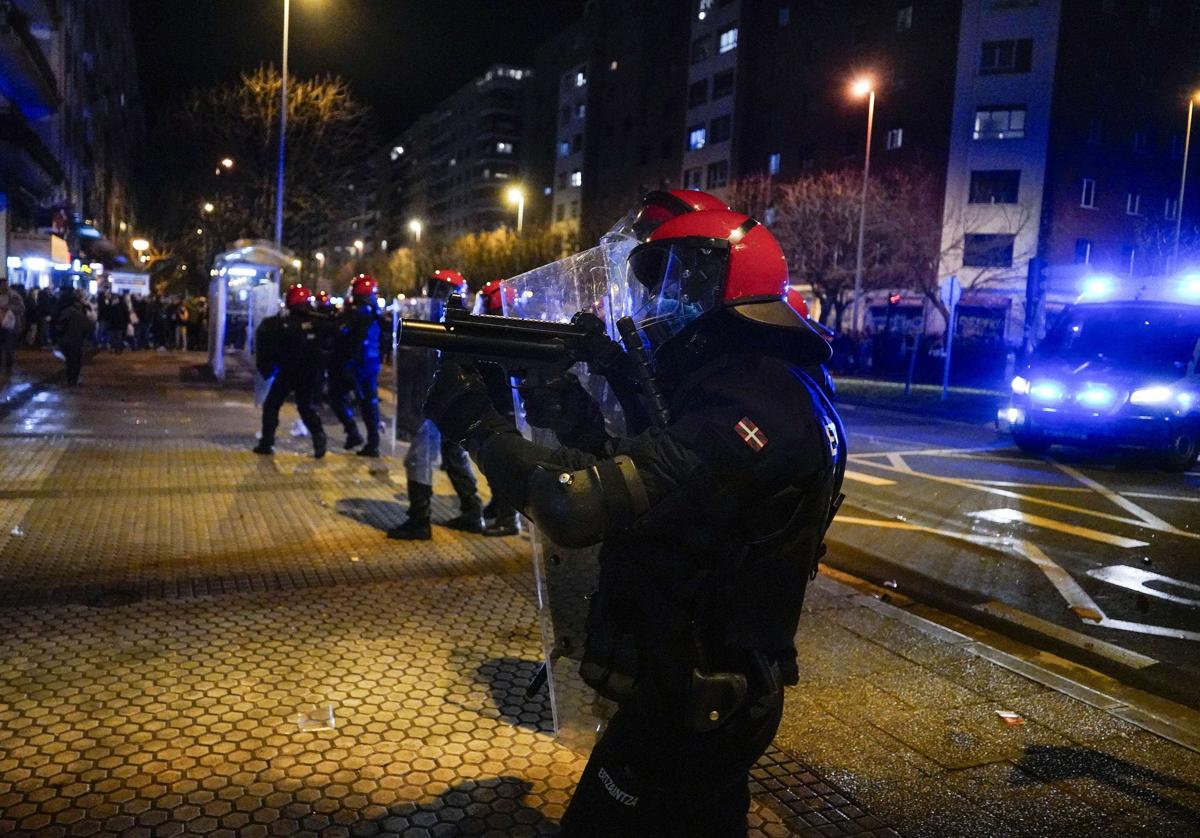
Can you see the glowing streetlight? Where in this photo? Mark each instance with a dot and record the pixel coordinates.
(320, 257)
(415, 226)
(862, 87)
(1187, 142)
(227, 163)
(515, 195)
(208, 206)
(140, 245)
(358, 247)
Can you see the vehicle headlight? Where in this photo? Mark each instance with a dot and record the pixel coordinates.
(1095, 396)
(1151, 395)
(1046, 391)
(1020, 385)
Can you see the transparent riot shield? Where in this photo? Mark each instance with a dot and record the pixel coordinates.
(593, 280)
(423, 441)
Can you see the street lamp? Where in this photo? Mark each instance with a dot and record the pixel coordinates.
(320, 257)
(141, 246)
(416, 226)
(862, 87)
(208, 206)
(515, 195)
(1187, 142)
(358, 247)
(226, 163)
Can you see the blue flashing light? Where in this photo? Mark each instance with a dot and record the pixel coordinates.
(1189, 286)
(1158, 394)
(1095, 395)
(1098, 286)
(1046, 391)
(1020, 385)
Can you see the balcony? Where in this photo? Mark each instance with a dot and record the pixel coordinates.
(24, 158)
(26, 78)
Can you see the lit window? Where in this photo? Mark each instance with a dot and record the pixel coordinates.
(703, 8)
(727, 39)
(580, 110)
(769, 216)
(718, 174)
(564, 148)
(1133, 203)
(697, 136)
(504, 148)
(1088, 198)
(577, 178)
(895, 138)
(580, 79)
(999, 123)
(396, 152)
(773, 164)
(904, 19)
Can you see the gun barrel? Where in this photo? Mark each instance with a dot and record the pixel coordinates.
(427, 335)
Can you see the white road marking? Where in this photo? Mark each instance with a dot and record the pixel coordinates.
(1157, 631)
(1010, 485)
(1126, 657)
(1013, 516)
(1126, 504)
(897, 462)
(1153, 496)
(869, 479)
(1077, 598)
(1137, 579)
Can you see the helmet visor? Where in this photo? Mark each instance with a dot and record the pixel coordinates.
(674, 282)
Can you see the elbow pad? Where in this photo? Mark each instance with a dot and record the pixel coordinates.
(581, 508)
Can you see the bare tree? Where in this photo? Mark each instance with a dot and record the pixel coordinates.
(752, 195)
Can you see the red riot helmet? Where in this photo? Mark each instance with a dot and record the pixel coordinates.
(661, 205)
(298, 298)
(445, 282)
(796, 300)
(364, 289)
(495, 294)
(323, 301)
(701, 262)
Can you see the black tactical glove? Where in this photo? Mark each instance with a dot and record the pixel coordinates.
(458, 401)
(559, 402)
(603, 355)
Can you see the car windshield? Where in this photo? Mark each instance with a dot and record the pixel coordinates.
(1158, 339)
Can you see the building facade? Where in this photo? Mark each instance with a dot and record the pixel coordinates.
(70, 123)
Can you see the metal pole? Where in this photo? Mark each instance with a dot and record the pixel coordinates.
(949, 351)
(520, 214)
(1187, 142)
(862, 216)
(283, 108)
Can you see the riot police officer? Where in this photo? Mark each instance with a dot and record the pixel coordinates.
(354, 369)
(289, 347)
(414, 371)
(710, 526)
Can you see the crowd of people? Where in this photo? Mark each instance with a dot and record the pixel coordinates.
(59, 317)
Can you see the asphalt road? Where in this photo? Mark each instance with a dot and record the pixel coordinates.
(1097, 554)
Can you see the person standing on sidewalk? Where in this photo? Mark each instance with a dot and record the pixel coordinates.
(414, 372)
(289, 347)
(499, 516)
(12, 318)
(709, 526)
(71, 329)
(354, 371)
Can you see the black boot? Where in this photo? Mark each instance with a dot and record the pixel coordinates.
(471, 517)
(371, 449)
(502, 526)
(264, 447)
(416, 528)
(319, 445)
(353, 438)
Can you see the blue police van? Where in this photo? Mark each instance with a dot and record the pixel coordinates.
(1113, 374)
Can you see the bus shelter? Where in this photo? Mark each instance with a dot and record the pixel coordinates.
(244, 289)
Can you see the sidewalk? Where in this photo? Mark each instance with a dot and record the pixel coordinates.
(196, 640)
(962, 404)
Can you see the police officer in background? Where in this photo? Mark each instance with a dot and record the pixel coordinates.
(289, 347)
(710, 526)
(415, 369)
(354, 369)
(499, 516)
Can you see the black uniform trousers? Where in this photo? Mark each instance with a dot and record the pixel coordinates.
(306, 386)
(350, 385)
(73, 355)
(650, 777)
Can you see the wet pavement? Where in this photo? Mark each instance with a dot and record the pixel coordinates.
(196, 640)
(1099, 552)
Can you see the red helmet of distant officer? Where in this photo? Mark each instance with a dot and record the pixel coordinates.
(298, 298)
(702, 262)
(364, 289)
(495, 295)
(323, 301)
(444, 282)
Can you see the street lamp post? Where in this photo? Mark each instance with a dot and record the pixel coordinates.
(1187, 142)
(320, 257)
(283, 107)
(516, 195)
(415, 227)
(862, 87)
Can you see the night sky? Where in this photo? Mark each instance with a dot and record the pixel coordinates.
(399, 56)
